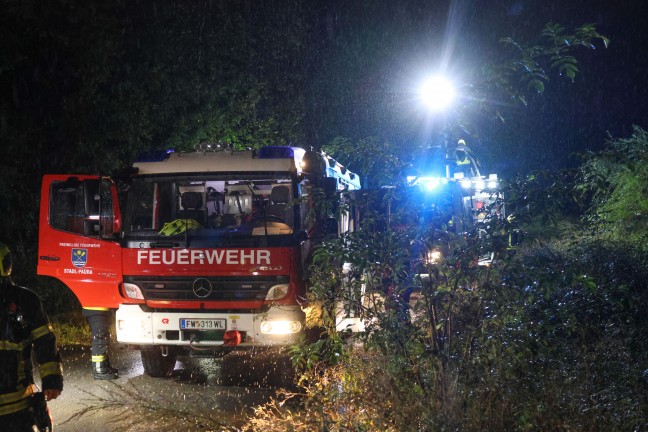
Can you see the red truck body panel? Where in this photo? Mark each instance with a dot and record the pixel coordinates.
(90, 267)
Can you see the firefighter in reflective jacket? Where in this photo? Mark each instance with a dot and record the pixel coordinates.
(23, 325)
(462, 160)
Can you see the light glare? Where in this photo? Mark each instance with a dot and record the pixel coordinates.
(437, 93)
(280, 327)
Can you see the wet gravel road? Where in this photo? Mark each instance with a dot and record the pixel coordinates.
(194, 399)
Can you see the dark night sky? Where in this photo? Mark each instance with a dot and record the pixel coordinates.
(608, 96)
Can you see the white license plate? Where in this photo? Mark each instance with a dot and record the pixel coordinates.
(203, 324)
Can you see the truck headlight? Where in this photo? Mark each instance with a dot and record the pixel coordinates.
(433, 256)
(132, 291)
(277, 292)
(281, 327)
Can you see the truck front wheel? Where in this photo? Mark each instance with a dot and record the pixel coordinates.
(159, 362)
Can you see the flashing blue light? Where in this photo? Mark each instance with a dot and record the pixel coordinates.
(431, 184)
(277, 152)
(281, 152)
(428, 183)
(154, 156)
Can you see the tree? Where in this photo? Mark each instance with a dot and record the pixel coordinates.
(614, 183)
(490, 90)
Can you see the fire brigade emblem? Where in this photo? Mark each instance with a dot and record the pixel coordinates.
(79, 257)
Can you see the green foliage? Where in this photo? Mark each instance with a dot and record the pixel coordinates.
(325, 350)
(544, 205)
(548, 338)
(71, 328)
(529, 66)
(615, 183)
(567, 319)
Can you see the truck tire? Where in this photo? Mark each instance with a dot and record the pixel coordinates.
(157, 365)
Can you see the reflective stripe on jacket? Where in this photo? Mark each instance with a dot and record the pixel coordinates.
(24, 326)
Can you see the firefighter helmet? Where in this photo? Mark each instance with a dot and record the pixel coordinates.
(6, 262)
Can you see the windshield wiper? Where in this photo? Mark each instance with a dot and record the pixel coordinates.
(164, 244)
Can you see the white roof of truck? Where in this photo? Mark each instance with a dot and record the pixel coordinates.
(221, 161)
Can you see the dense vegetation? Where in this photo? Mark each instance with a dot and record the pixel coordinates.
(547, 338)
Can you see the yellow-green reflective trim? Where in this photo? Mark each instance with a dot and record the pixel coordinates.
(41, 331)
(179, 226)
(97, 308)
(17, 395)
(4, 250)
(15, 407)
(12, 346)
(21, 370)
(98, 358)
(50, 368)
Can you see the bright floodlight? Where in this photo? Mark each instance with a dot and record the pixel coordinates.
(437, 93)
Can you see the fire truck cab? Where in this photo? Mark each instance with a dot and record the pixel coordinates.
(206, 250)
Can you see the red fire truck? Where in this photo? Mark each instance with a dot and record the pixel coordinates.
(207, 250)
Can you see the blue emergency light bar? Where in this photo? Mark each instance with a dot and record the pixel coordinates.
(281, 152)
(433, 183)
(154, 156)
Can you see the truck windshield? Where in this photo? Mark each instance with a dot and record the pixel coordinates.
(210, 211)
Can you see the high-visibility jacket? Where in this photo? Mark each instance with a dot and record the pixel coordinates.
(23, 325)
(179, 226)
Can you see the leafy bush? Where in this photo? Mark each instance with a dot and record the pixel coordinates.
(615, 185)
(550, 338)
(71, 329)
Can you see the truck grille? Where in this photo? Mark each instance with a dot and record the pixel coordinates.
(206, 288)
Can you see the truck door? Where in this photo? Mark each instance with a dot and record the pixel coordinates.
(79, 227)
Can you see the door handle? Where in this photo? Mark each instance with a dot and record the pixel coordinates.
(49, 258)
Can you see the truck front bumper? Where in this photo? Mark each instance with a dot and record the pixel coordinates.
(279, 326)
